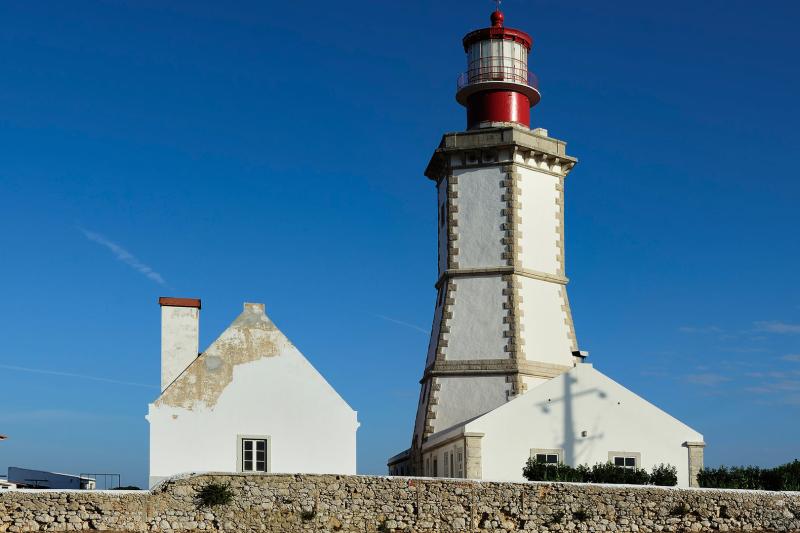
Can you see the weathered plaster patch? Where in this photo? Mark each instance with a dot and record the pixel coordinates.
(250, 337)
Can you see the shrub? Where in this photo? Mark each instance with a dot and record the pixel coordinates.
(599, 473)
(214, 494)
(609, 473)
(664, 475)
(790, 476)
(783, 477)
(535, 471)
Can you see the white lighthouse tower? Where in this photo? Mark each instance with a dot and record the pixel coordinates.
(502, 323)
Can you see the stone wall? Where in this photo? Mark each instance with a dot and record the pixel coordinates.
(287, 504)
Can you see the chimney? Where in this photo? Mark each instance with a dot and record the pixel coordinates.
(180, 326)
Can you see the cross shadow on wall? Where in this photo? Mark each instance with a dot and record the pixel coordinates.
(571, 433)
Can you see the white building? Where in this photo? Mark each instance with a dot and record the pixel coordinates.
(42, 479)
(504, 379)
(249, 403)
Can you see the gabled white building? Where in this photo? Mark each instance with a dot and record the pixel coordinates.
(504, 379)
(249, 403)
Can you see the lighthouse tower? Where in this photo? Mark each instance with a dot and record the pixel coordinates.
(504, 381)
(502, 322)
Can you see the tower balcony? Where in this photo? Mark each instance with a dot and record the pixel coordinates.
(498, 74)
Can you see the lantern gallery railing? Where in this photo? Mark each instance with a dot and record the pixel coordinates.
(497, 69)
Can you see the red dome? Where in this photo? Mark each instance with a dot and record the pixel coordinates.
(497, 19)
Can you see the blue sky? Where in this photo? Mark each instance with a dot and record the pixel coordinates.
(273, 152)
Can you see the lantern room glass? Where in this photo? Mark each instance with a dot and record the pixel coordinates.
(497, 60)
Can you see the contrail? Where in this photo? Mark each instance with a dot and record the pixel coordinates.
(125, 256)
(406, 324)
(71, 375)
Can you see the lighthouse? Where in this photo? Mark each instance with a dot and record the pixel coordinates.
(502, 321)
(502, 327)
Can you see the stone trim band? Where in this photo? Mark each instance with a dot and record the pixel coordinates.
(474, 367)
(499, 271)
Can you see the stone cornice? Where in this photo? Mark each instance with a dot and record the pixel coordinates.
(503, 136)
(482, 367)
(500, 271)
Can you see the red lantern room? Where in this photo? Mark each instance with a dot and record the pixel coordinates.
(497, 86)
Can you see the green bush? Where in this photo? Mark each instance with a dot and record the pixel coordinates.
(664, 475)
(783, 477)
(213, 494)
(599, 473)
(536, 471)
(609, 473)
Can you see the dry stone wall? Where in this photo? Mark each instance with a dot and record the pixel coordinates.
(292, 503)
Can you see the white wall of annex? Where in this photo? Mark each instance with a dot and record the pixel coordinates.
(545, 331)
(539, 213)
(480, 217)
(312, 430)
(555, 414)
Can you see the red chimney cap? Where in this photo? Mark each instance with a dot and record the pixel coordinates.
(179, 302)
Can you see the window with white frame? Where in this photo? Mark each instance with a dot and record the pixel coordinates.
(548, 456)
(435, 472)
(253, 454)
(446, 464)
(629, 460)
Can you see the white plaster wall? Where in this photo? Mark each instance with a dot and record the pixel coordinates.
(554, 414)
(463, 398)
(545, 331)
(480, 218)
(539, 213)
(476, 329)
(180, 328)
(311, 428)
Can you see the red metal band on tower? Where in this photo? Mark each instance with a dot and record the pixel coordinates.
(497, 86)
